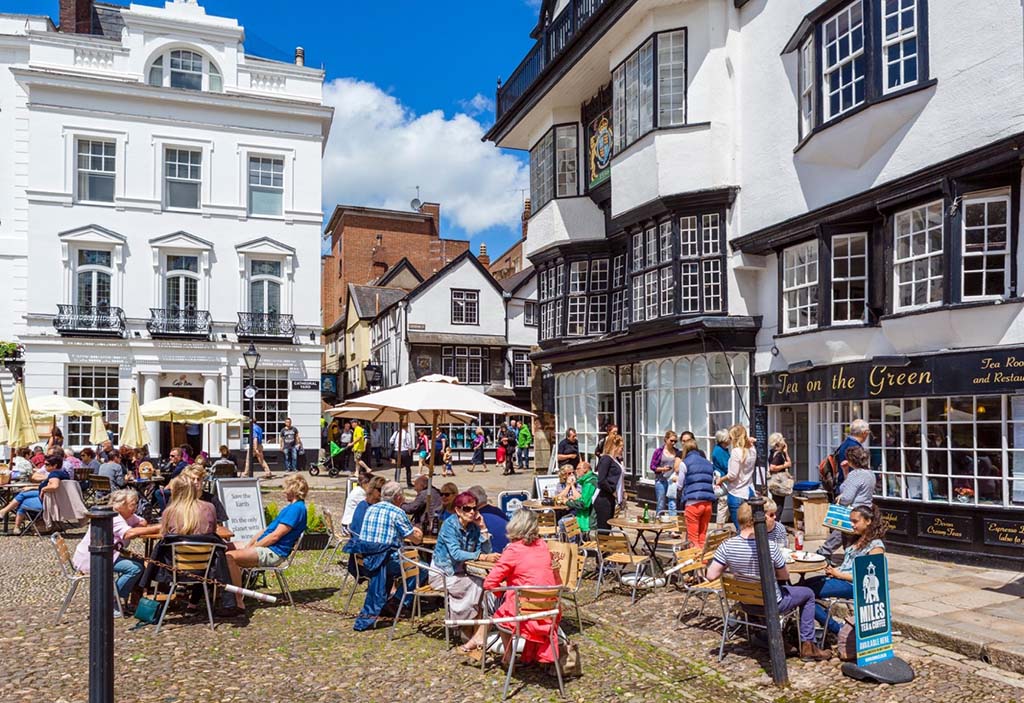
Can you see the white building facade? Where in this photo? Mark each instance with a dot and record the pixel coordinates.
(738, 207)
(162, 214)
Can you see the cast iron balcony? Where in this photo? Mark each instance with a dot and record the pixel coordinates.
(554, 38)
(178, 323)
(90, 321)
(265, 325)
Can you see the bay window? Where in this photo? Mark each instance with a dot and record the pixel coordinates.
(918, 257)
(660, 61)
(700, 272)
(468, 364)
(986, 248)
(554, 165)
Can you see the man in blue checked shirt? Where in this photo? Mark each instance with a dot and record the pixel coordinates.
(385, 526)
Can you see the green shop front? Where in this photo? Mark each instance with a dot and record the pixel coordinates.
(947, 442)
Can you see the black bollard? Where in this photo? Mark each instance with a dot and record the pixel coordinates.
(101, 605)
(776, 649)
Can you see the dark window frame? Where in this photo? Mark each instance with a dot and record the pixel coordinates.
(536, 203)
(476, 292)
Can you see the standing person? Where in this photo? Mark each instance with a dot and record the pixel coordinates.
(609, 472)
(479, 440)
(402, 445)
(346, 441)
(56, 437)
(358, 446)
(609, 429)
(257, 450)
(511, 447)
(858, 489)
(696, 491)
(376, 444)
(860, 432)
(664, 465)
(686, 436)
(422, 449)
(290, 443)
(779, 465)
(523, 441)
(568, 451)
(720, 460)
(742, 460)
(500, 449)
(440, 444)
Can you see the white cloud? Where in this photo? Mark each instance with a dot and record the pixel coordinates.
(379, 150)
(477, 105)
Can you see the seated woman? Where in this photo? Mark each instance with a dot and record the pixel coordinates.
(126, 526)
(448, 493)
(186, 514)
(373, 488)
(225, 458)
(838, 582)
(566, 489)
(776, 530)
(197, 474)
(31, 502)
(463, 538)
(275, 544)
(526, 561)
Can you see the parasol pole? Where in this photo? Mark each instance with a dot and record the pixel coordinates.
(433, 451)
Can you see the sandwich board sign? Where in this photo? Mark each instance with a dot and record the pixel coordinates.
(871, 609)
(244, 505)
(512, 501)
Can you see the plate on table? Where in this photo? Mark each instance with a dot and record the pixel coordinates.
(808, 557)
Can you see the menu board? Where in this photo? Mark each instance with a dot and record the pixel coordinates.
(244, 505)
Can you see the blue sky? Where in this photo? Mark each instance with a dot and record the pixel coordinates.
(413, 84)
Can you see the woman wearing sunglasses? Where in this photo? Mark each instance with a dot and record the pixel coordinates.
(448, 493)
(463, 537)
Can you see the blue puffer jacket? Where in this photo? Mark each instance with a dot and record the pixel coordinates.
(699, 483)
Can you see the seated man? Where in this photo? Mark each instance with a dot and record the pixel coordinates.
(417, 507)
(31, 502)
(738, 555)
(495, 519)
(383, 529)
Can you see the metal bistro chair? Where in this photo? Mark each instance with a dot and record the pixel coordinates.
(531, 603)
(191, 561)
(570, 571)
(547, 523)
(353, 573)
(744, 608)
(278, 571)
(99, 490)
(411, 569)
(832, 607)
(615, 553)
(688, 572)
(335, 540)
(74, 577)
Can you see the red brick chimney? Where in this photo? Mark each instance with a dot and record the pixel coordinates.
(484, 258)
(434, 210)
(76, 16)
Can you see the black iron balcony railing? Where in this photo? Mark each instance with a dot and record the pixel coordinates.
(556, 36)
(265, 325)
(178, 322)
(90, 321)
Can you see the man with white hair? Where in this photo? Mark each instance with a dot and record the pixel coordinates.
(860, 432)
(384, 528)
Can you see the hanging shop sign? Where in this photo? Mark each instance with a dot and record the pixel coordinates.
(969, 373)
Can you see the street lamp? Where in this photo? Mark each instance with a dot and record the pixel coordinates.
(251, 357)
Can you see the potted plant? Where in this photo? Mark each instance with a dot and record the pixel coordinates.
(316, 535)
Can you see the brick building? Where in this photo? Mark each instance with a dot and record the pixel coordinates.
(366, 243)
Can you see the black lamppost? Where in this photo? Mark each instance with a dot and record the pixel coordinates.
(252, 360)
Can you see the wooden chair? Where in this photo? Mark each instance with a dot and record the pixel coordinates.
(571, 562)
(712, 542)
(531, 603)
(335, 540)
(615, 553)
(743, 607)
(277, 571)
(688, 573)
(411, 569)
(191, 562)
(547, 523)
(99, 490)
(73, 576)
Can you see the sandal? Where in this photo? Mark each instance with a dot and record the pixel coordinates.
(470, 647)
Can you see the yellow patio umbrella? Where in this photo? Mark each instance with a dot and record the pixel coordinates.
(47, 406)
(134, 433)
(98, 430)
(5, 420)
(222, 416)
(22, 429)
(174, 409)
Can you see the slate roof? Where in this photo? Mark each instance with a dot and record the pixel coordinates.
(370, 301)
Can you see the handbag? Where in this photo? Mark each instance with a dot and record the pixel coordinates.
(781, 483)
(569, 660)
(146, 610)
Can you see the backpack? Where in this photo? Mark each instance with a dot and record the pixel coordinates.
(828, 475)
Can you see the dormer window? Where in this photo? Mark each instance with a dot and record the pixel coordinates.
(185, 69)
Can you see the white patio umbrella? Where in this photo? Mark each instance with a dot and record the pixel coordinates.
(223, 416)
(174, 409)
(353, 410)
(434, 395)
(97, 430)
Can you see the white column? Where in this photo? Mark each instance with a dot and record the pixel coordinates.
(150, 392)
(211, 395)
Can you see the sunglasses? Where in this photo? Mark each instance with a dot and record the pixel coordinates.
(469, 508)
(447, 494)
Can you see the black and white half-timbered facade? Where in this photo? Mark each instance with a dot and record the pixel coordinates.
(802, 211)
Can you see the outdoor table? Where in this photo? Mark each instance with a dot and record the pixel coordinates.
(538, 507)
(7, 493)
(642, 528)
(803, 568)
(479, 568)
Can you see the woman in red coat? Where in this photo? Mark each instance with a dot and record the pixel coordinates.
(526, 561)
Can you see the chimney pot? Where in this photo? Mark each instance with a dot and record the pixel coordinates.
(484, 258)
(300, 56)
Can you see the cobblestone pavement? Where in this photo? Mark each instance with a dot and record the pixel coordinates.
(630, 653)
